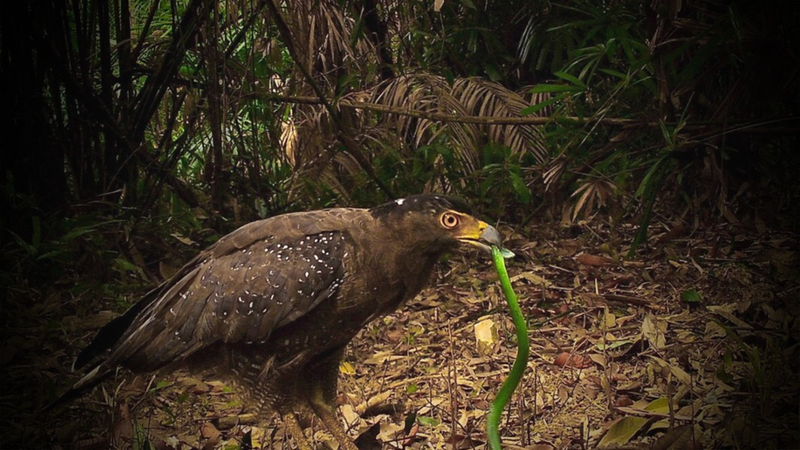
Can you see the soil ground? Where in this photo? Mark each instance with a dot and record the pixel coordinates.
(693, 343)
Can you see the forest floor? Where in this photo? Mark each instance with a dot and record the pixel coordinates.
(694, 343)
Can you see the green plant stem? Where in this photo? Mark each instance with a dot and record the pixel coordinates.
(523, 350)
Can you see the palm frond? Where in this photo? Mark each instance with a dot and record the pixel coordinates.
(466, 97)
(323, 34)
(592, 194)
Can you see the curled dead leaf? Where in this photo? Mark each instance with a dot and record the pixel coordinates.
(210, 432)
(593, 260)
(623, 400)
(566, 359)
(411, 435)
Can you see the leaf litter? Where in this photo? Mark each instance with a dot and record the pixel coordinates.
(694, 344)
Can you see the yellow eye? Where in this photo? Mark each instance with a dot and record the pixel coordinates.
(449, 220)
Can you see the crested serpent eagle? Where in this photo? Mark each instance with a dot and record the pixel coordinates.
(272, 305)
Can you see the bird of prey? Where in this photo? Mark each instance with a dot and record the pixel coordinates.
(272, 305)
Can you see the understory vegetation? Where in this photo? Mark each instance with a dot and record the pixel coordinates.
(641, 159)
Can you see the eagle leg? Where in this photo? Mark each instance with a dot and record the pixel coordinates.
(321, 398)
(328, 417)
(293, 425)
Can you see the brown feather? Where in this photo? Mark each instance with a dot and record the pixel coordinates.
(274, 303)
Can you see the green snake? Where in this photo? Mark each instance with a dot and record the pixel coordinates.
(517, 370)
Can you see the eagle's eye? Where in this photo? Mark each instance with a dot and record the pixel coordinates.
(449, 220)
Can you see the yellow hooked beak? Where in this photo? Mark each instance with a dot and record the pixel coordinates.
(482, 235)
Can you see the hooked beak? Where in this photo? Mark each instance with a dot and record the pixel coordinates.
(486, 237)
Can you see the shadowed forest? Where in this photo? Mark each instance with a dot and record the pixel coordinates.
(641, 159)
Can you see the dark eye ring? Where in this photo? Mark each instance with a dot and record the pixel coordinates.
(449, 220)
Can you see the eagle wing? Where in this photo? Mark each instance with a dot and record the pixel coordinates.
(251, 282)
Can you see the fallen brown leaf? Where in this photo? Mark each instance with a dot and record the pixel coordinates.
(210, 432)
(566, 359)
(594, 260)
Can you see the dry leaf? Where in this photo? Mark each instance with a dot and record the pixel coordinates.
(122, 430)
(210, 432)
(654, 331)
(622, 431)
(381, 357)
(486, 336)
(594, 260)
(390, 432)
(532, 277)
(566, 359)
(685, 437)
(609, 320)
(726, 311)
(347, 368)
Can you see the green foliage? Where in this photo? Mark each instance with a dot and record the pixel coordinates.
(609, 62)
(427, 421)
(125, 169)
(620, 60)
(502, 177)
(428, 165)
(499, 184)
(691, 296)
(647, 193)
(211, 172)
(37, 259)
(141, 439)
